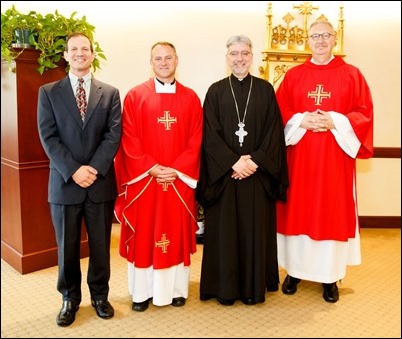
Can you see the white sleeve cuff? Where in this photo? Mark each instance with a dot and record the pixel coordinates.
(187, 180)
(293, 131)
(344, 134)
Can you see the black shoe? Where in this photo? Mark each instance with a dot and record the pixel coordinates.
(248, 301)
(103, 308)
(226, 302)
(140, 307)
(331, 293)
(177, 302)
(66, 315)
(289, 285)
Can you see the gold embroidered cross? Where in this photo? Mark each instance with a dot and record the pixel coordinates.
(164, 185)
(163, 243)
(167, 120)
(318, 95)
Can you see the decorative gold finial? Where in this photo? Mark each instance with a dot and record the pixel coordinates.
(305, 8)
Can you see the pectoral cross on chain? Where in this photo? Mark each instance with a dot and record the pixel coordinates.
(241, 133)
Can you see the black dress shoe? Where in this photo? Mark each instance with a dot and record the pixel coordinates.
(103, 308)
(140, 307)
(331, 293)
(179, 301)
(66, 315)
(248, 301)
(226, 302)
(289, 285)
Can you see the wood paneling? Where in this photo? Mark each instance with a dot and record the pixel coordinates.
(387, 152)
(380, 221)
(27, 236)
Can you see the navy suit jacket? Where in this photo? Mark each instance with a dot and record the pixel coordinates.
(70, 143)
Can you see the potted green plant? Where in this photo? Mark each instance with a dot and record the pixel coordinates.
(48, 34)
(16, 29)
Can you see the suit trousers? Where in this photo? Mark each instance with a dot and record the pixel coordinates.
(67, 222)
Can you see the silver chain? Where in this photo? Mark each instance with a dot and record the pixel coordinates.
(248, 99)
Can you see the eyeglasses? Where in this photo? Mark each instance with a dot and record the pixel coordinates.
(325, 36)
(235, 54)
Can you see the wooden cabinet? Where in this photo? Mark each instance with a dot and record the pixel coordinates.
(27, 236)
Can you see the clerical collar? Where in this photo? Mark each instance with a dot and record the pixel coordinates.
(161, 82)
(315, 62)
(242, 81)
(160, 87)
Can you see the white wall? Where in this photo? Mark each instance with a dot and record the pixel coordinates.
(379, 187)
(199, 30)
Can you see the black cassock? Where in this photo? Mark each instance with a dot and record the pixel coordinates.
(240, 248)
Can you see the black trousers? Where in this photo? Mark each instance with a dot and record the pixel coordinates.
(67, 222)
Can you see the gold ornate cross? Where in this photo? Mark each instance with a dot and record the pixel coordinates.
(164, 185)
(163, 243)
(318, 95)
(167, 120)
(305, 8)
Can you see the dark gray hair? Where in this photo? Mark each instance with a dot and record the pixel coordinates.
(235, 39)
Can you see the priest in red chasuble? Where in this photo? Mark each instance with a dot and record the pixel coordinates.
(157, 168)
(327, 110)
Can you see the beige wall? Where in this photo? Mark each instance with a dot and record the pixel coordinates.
(199, 29)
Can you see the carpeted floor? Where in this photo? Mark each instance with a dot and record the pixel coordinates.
(369, 305)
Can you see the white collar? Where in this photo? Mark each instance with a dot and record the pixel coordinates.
(166, 88)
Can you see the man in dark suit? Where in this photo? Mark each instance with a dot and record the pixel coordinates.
(81, 141)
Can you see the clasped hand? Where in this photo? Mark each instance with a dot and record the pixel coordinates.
(244, 167)
(317, 121)
(85, 176)
(163, 174)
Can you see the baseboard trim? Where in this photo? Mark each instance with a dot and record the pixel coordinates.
(387, 152)
(380, 221)
(35, 261)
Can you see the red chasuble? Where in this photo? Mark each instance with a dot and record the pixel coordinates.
(158, 222)
(321, 202)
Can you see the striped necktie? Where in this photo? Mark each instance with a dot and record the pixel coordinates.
(81, 99)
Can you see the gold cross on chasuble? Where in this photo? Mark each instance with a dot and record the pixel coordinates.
(318, 95)
(167, 120)
(163, 243)
(164, 185)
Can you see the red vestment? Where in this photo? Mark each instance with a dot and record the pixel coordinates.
(158, 223)
(322, 176)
